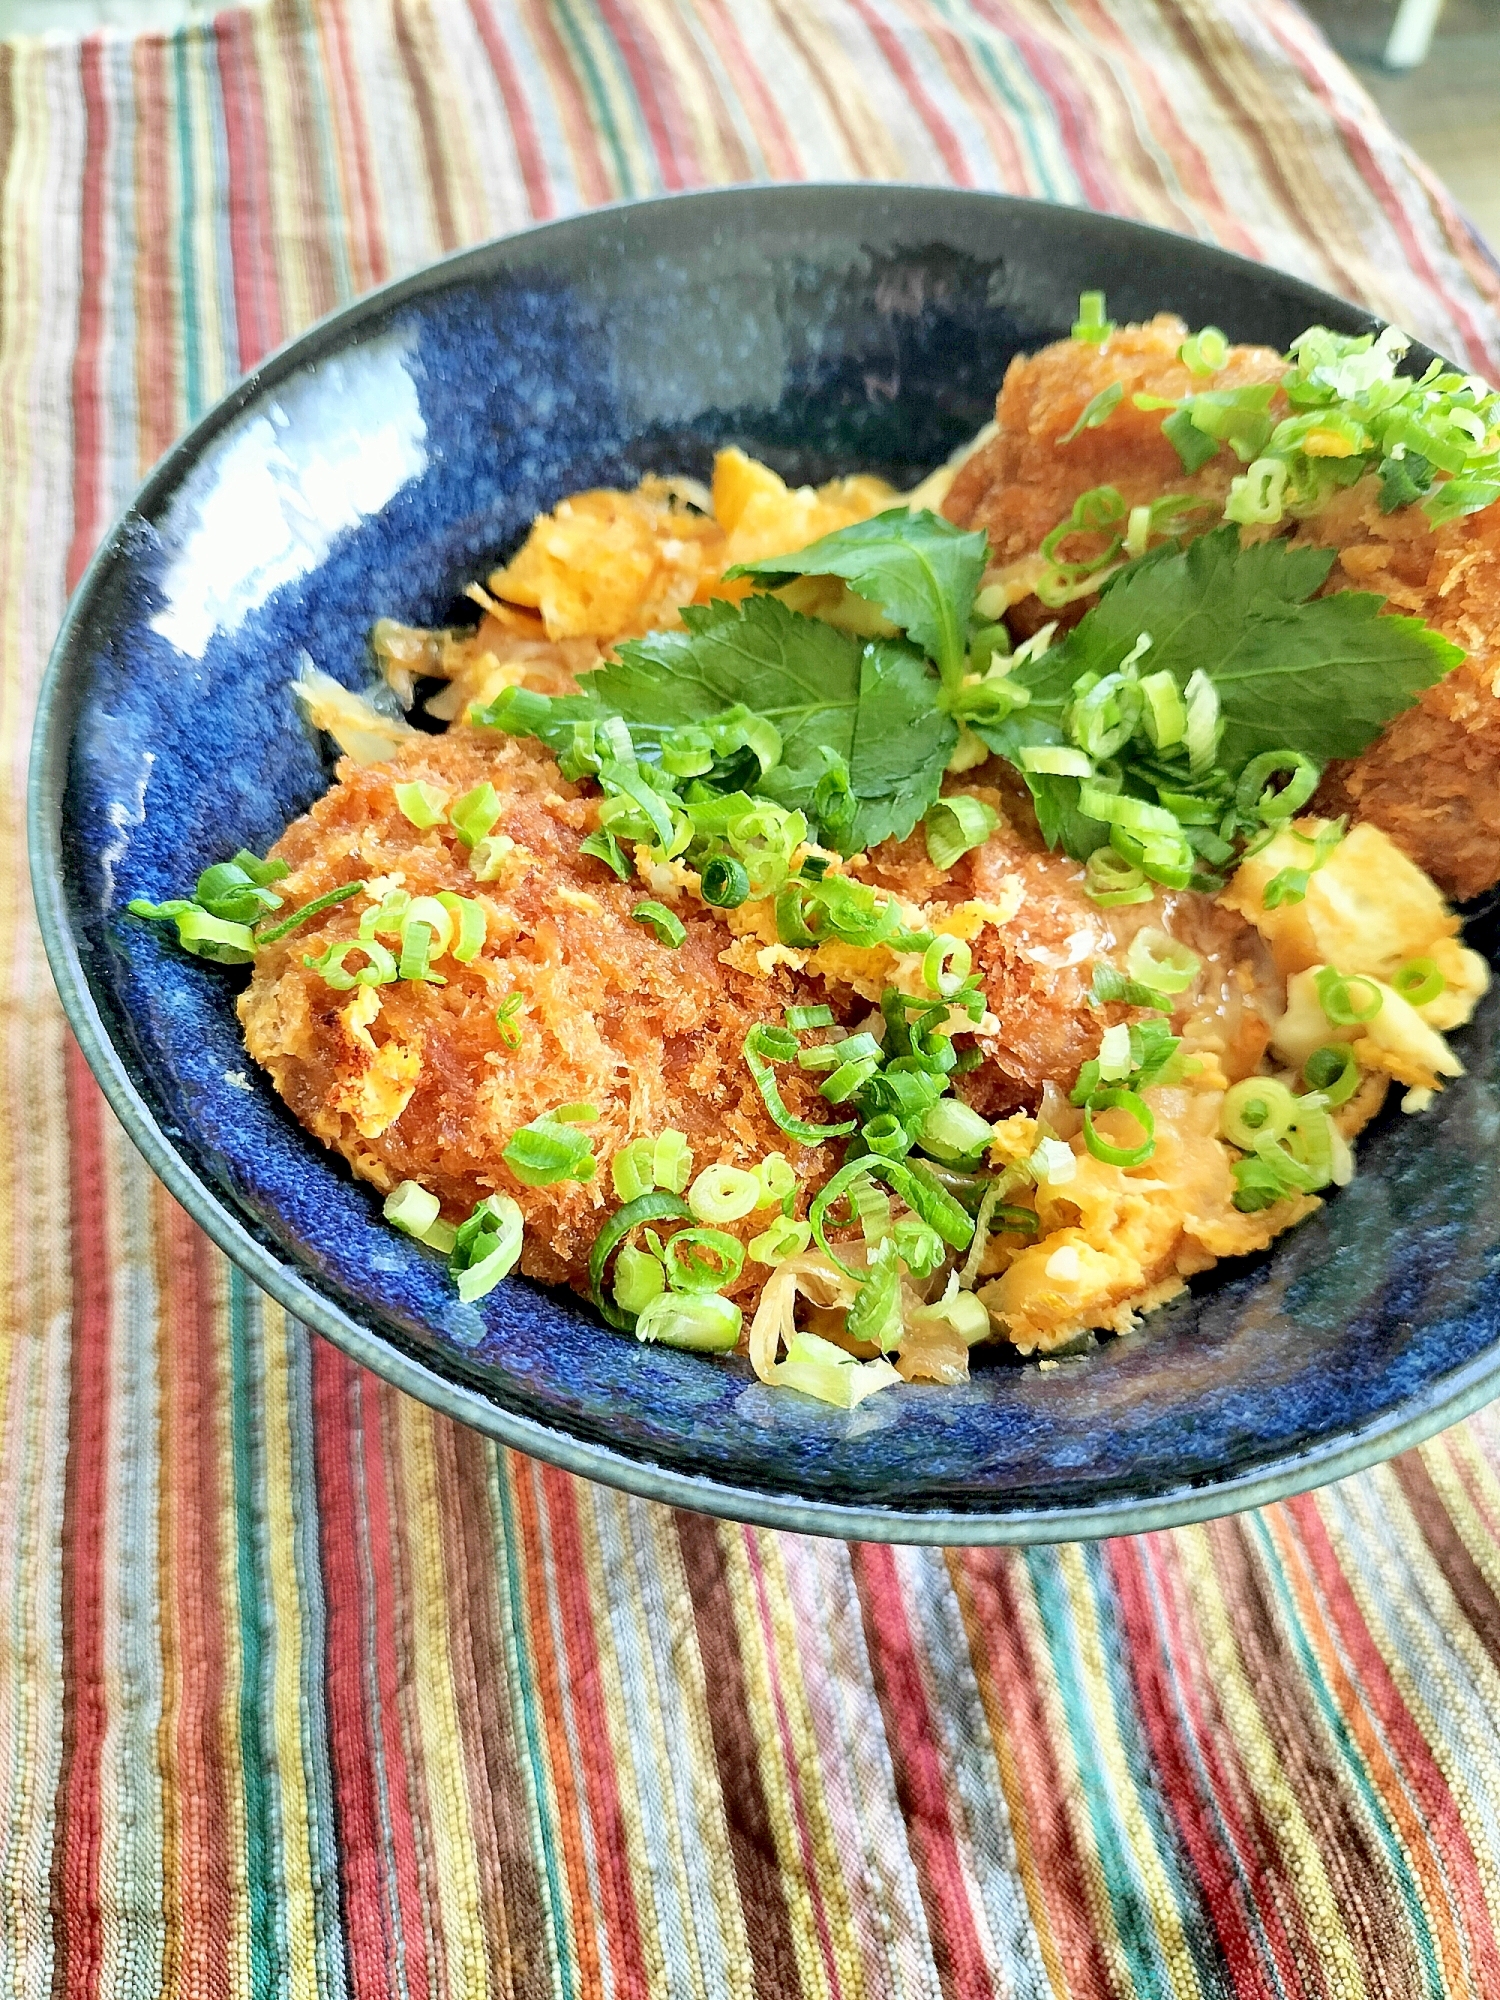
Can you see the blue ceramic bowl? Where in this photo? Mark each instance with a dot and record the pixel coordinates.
(397, 450)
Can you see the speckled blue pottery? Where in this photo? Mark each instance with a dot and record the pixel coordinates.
(397, 450)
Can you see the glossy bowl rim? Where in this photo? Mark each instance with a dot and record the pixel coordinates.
(1467, 1391)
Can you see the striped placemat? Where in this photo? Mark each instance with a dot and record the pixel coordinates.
(306, 1691)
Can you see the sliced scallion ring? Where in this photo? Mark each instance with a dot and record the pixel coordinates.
(1257, 1108)
(1160, 962)
(724, 883)
(724, 1193)
(1135, 1107)
(659, 1205)
(1347, 1003)
(378, 970)
(1332, 1070)
(702, 1260)
(1419, 981)
(703, 1323)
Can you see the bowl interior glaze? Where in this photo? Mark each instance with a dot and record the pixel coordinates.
(394, 452)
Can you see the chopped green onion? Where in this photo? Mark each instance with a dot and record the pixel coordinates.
(785, 1237)
(506, 1021)
(1097, 410)
(1347, 1003)
(421, 803)
(1056, 760)
(1253, 793)
(312, 909)
(955, 825)
(261, 873)
(210, 937)
(1163, 711)
(639, 1278)
(1203, 722)
(657, 1206)
(919, 1246)
(438, 919)
(724, 1194)
(778, 1181)
(829, 1055)
(946, 964)
(547, 1151)
(1289, 885)
(1115, 1059)
(724, 883)
(576, 1114)
(951, 1131)
(486, 1248)
(416, 1213)
(1091, 325)
(379, 971)
(1053, 1163)
(1110, 880)
(416, 950)
(385, 918)
(798, 1018)
(603, 846)
(1204, 353)
(470, 918)
(963, 1314)
(1192, 446)
(1332, 1070)
(631, 1169)
(227, 891)
(472, 816)
(1160, 962)
(658, 918)
(848, 1078)
(1112, 988)
(687, 752)
(702, 1260)
(703, 1324)
(1257, 496)
(1419, 981)
(1135, 1107)
(762, 1048)
(671, 1161)
(885, 1133)
(1258, 1108)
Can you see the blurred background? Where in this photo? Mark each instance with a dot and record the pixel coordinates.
(1446, 103)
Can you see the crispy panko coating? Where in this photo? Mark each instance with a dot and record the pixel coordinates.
(1025, 480)
(414, 1081)
(651, 1036)
(1431, 779)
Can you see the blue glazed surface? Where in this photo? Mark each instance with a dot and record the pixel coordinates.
(399, 450)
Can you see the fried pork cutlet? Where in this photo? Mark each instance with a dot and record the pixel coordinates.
(416, 1081)
(1432, 781)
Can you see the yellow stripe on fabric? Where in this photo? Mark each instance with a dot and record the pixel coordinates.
(1274, 1791)
(39, 264)
(1456, 1720)
(602, 75)
(448, 85)
(1105, 1727)
(799, 1761)
(484, 174)
(460, 1907)
(652, 1759)
(1070, 1788)
(722, 151)
(297, 209)
(279, 1527)
(861, 135)
(1016, 1807)
(1455, 1465)
(760, 1701)
(201, 227)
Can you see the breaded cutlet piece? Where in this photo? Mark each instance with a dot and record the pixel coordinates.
(1432, 781)
(1019, 485)
(414, 1081)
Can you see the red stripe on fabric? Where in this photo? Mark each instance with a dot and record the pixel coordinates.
(76, 1884)
(957, 58)
(1370, 172)
(88, 500)
(371, 263)
(248, 199)
(921, 1781)
(1236, 1805)
(621, 1922)
(997, 1638)
(1442, 1825)
(1194, 171)
(368, 1941)
(1069, 106)
(199, 1855)
(903, 69)
(429, 123)
(778, 148)
(539, 196)
(157, 345)
(387, 1671)
(656, 94)
(810, 1864)
(594, 183)
(1175, 1779)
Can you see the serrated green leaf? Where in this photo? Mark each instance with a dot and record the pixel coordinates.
(1323, 677)
(920, 569)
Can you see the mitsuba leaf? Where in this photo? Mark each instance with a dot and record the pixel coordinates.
(920, 569)
(1322, 676)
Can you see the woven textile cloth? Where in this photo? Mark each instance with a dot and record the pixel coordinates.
(306, 1691)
